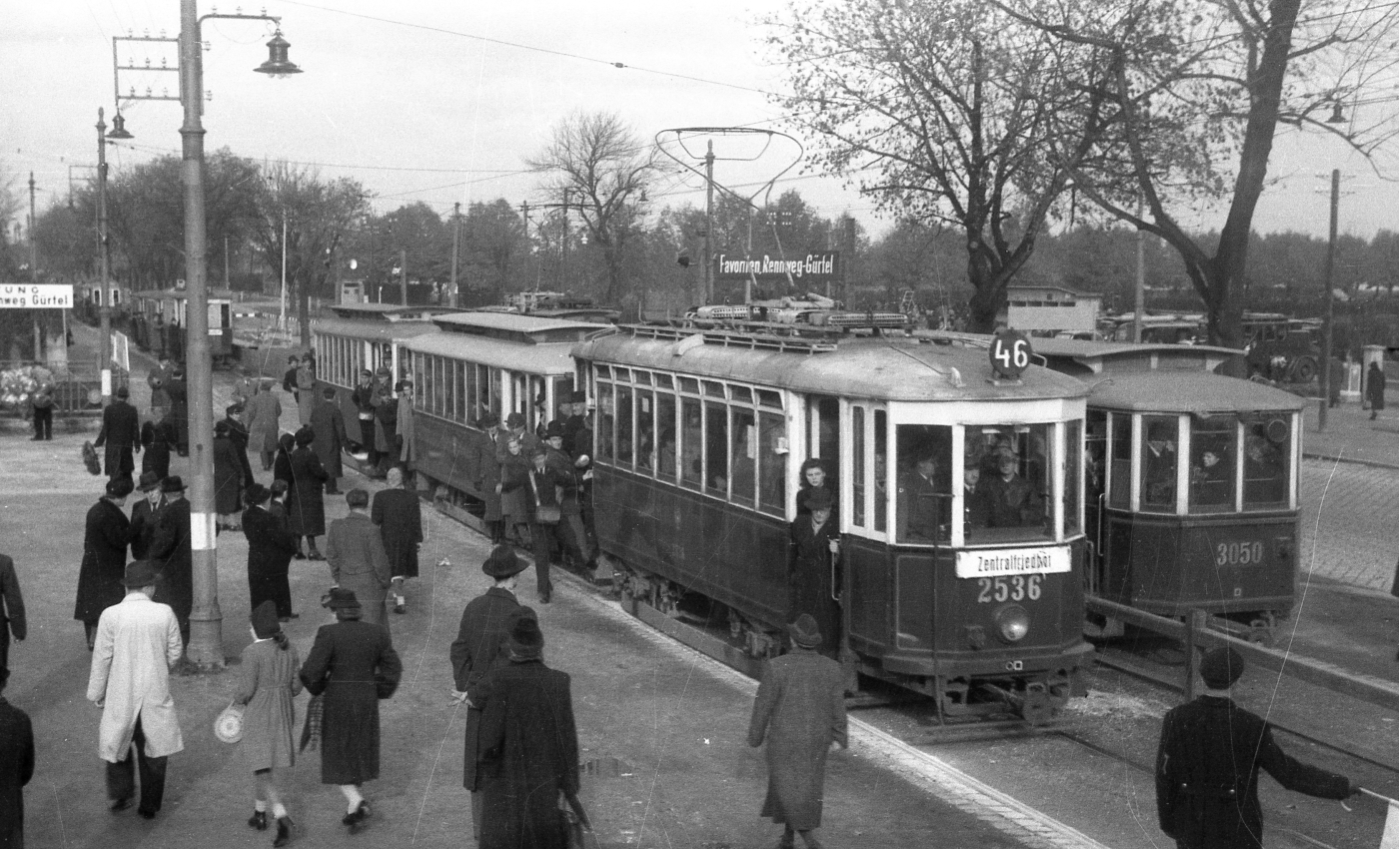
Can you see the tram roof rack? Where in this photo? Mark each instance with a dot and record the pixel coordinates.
(751, 335)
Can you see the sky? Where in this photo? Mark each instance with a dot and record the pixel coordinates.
(443, 102)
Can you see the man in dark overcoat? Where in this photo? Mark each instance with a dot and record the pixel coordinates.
(354, 550)
(1374, 389)
(478, 649)
(363, 398)
(270, 549)
(799, 712)
(172, 553)
(145, 515)
(178, 391)
(529, 745)
(16, 767)
(120, 434)
(12, 620)
(328, 425)
(305, 505)
(573, 537)
(352, 665)
(238, 433)
(158, 438)
(813, 574)
(399, 517)
(105, 537)
(1208, 760)
(485, 464)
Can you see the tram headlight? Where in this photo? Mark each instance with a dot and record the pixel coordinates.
(1012, 623)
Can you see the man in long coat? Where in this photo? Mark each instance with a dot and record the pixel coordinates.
(16, 767)
(172, 554)
(120, 434)
(328, 425)
(105, 537)
(353, 665)
(363, 398)
(399, 517)
(305, 505)
(529, 746)
(355, 551)
(179, 409)
(1374, 389)
(385, 422)
(306, 388)
(12, 619)
(264, 411)
(799, 712)
(478, 648)
(156, 380)
(158, 438)
(270, 549)
(228, 477)
(138, 640)
(233, 417)
(486, 462)
(814, 567)
(407, 429)
(145, 515)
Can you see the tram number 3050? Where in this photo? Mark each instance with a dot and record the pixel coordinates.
(1009, 588)
(1238, 553)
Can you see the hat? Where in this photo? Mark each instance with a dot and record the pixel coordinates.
(383, 371)
(140, 573)
(123, 392)
(554, 430)
(150, 481)
(305, 436)
(256, 493)
(357, 498)
(233, 410)
(286, 441)
(538, 451)
(804, 632)
(221, 428)
(328, 392)
(119, 487)
(340, 598)
(172, 484)
(578, 396)
(364, 372)
(278, 487)
(526, 641)
(1221, 667)
(264, 620)
(818, 499)
(515, 420)
(488, 420)
(503, 563)
(293, 359)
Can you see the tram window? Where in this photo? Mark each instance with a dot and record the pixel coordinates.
(768, 398)
(1005, 481)
(689, 384)
(625, 433)
(605, 440)
(744, 458)
(691, 442)
(772, 466)
(881, 469)
(1212, 463)
(1095, 454)
(1120, 473)
(563, 402)
(429, 385)
(665, 425)
(1070, 468)
(1266, 464)
(716, 445)
(858, 465)
(664, 381)
(1158, 463)
(450, 372)
(826, 412)
(645, 430)
(924, 461)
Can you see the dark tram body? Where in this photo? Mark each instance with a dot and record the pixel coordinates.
(700, 436)
(159, 320)
(1192, 481)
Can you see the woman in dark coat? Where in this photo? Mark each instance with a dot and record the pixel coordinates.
(328, 426)
(281, 464)
(228, 477)
(353, 665)
(305, 505)
(270, 549)
(815, 556)
(1374, 389)
(399, 516)
(104, 556)
(158, 439)
(812, 476)
(514, 492)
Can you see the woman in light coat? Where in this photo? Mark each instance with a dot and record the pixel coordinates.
(264, 412)
(267, 683)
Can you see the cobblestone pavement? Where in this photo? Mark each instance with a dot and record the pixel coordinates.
(1349, 513)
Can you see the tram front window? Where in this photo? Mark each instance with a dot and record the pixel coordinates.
(1006, 483)
(1266, 471)
(1158, 463)
(924, 505)
(1212, 464)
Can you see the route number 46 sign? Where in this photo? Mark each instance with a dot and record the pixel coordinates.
(1010, 354)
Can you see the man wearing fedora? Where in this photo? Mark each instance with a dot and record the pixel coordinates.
(354, 550)
(172, 553)
(105, 537)
(145, 515)
(120, 434)
(270, 549)
(799, 712)
(138, 640)
(478, 649)
(1208, 760)
(814, 566)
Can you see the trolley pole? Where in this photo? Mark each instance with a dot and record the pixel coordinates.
(104, 310)
(1330, 303)
(456, 246)
(708, 279)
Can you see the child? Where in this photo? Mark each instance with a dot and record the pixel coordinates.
(268, 683)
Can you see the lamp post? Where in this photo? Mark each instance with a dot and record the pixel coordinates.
(1336, 118)
(104, 309)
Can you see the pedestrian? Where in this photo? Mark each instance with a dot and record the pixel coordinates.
(328, 425)
(1336, 380)
(306, 388)
(514, 492)
(529, 745)
(138, 640)
(120, 433)
(485, 463)
(572, 535)
(1374, 389)
(407, 431)
(813, 571)
(270, 549)
(385, 422)
(158, 439)
(179, 408)
(263, 413)
(304, 502)
(267, 683)
(156, 379)
(233, 417)
(289, 378)
(799, 712)
(42, 402)
(228, 478)
(172, 553)
(145, 515)
(363, 398)
(352, 665)
(811, 476)
(545, 516)
(16, 767)
(281, 465)
(479, 648)
(106, 534)
(1208, 760)
(354, 549)
(11, 610)
(399, 516)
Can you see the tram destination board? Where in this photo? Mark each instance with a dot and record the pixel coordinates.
(1010, 354)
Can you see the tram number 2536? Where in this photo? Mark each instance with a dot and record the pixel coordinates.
(1238, 553)
(1009, 588)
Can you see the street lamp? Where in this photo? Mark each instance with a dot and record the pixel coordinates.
(104, 310)
(1327, 335)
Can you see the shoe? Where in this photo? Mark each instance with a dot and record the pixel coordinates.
(283, 837)
(400, 608)
(353, 820)
(315, 555)
(145, 814)
(36, 439)
(298, 556)
(258, 820)
(119, 805)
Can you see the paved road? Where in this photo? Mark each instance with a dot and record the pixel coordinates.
(1349, 513)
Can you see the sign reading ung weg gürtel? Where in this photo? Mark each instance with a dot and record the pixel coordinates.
(31, 296)
(818, 268)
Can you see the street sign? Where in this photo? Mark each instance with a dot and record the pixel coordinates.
(36, 296)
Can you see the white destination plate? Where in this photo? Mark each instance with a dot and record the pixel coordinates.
(990, 562)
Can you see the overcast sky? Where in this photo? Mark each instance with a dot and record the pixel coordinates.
(441, 102)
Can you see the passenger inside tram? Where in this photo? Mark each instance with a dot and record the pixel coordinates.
(1012, 501)
(1209, 479)
(1159, 464)
(1265, 470)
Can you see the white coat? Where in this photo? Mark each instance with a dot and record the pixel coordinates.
(137, 642)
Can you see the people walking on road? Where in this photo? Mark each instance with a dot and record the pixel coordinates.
(228, 478)
(573, 537)
(1374, 389)
(145, 515)
(479, 648)
(407, 429)
(528, 745)
(304, 501)
(270, 549)
(138, 640)
(267, 683)
(16, 767)
(352, 665)
(12, 622)
(1208, 760)
(399, 517)
(306, 388)
(799, 713)
(157, 379)
(263, 412)
(363, 398)
(158, 439)
(514, 491)
(120, 434)
(545, 483)
(42, 402)
(385, 422)
(328, 425)
(106, 534)
(233, 417)
(354, 549)
(172, 553)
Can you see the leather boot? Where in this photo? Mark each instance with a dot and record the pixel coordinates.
(283, 837)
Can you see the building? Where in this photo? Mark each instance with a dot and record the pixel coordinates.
(1046, 310)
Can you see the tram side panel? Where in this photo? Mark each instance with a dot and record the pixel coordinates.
(448, 454)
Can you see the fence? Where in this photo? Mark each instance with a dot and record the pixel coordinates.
(77, 388)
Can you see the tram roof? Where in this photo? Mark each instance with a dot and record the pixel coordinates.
(895, 368)
(389, 312)
(511, 327)
(1175, 391)
(180, 295)
(1082, 357)
(532, 358)
(359, 328)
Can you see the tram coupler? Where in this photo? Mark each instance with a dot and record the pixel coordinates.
(1034, 704)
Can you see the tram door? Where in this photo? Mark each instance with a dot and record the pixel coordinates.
(823, 437)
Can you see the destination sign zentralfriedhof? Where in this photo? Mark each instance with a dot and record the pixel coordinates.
(820, 268)
(35, 296)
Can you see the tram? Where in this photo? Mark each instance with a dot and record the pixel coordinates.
(1192, 482)
(701, 433)
(159, 318)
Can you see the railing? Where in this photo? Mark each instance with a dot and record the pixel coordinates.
(77, 388)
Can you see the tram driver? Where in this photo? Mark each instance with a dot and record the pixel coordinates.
(1011, 501)
(921, 504)
(1159, 465)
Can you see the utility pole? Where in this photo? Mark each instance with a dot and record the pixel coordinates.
(403, 274)
(33, 246)
(1330, 303)
(456, 246)
(563, 268)
(1140, 304)
(104, 309)
(538, 269)
(708, 279)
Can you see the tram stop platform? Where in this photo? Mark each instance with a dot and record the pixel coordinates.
(1351, 435)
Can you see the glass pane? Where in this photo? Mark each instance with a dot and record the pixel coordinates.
(713, 389)
(1158, 463)
(1267, 461)
(665, 423)
(691, 443)
(1096, 446)
(924, 496)
(1006, 484)
(857, 456)
(606, 443)
(772, 466)
(624, 426)
(881, 470)
(743, 459)
(689, 384)
(1072, 469)
(1212, 444)
(663, 380)
(645, 430)
(474, 408)
(716, 443)
(768, 398)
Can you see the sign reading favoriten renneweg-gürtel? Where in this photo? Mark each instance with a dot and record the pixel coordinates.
(818, 268)
(31, 296)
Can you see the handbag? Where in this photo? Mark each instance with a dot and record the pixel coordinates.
(576, 825)
(90, 460)
(228, 725)
(544, 514)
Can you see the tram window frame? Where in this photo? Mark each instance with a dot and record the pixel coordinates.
(606, 451)
(449, 389)
(913, 442)
(625, 422)
(666, 424)
(1218, 435)
(1120, 460)
(1255, 436)
(1159, 482)
(1072, 470)
(881, 470)
(859, 469)
(716, 447)
(984, 447)
(772, 462)
(743, 453)
(645, 443)
(690, 443)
